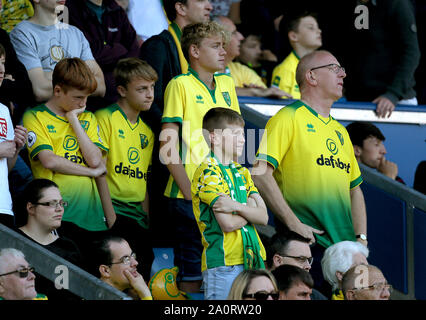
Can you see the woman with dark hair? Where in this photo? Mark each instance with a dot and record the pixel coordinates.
(43, 208)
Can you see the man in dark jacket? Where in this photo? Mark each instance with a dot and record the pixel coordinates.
(110, 34)
(163, 52)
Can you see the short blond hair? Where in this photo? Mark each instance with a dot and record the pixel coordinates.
(197, 32)
(128, 69)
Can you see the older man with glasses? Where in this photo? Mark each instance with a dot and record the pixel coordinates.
(115, 263)
(17, 279)
(365, 282)
(306, 170)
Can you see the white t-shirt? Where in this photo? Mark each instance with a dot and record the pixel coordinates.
(6, 133)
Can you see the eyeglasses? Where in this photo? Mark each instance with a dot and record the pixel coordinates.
(54, 204)
(332, 66)
(23, 272)
(301, 259)
(126, 259)
(262, 295)
(377, 287)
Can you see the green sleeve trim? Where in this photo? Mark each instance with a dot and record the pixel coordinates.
(37, 150)
(356, 182)
(268, 159)
(251, 192)
(213, 201)
(171, 120)
(102, 146)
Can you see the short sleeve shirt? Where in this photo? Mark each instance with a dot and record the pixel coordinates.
(284, 75)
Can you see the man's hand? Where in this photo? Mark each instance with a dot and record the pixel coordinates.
(224, 204)
(138, 283)
(306, 231)
(20, 137)
(384, 107)
(388, 168)
(7, 149)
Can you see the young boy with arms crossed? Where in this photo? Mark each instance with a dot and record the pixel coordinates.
(182, 147)
(304, 36)
(64, 146)
(129, 142)
(226, 203)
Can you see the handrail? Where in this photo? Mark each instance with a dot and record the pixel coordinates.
(59, 270)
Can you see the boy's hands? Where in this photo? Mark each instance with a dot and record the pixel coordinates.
(225, 204)
(75, 112)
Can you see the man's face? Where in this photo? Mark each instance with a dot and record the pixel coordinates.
(377, 288)
(329, 78)
(233, 47)
(211, 54)
(197, 11)
(308, 33)
(372, 152)
(12, 286)
(250, 50)
(50, 5)
(139, 94)
(297, 254)
(298, 291)
(120, 252)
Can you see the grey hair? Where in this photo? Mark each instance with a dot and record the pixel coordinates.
(8, 252)
(339, 257)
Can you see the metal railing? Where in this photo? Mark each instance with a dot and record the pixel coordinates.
(59, 270)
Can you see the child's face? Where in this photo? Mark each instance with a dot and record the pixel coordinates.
(211, 54)
(250, 50)
(71, 99)
(2, 68)
(233, 140)
(139, 94)
(309, 34)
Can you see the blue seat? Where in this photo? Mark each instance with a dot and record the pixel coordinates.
(163, 258)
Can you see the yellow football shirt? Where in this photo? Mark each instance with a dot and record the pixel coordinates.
(187, 100)
(315, 169)
(129, 157)
(220, 248)
(284, 75)
(243, 75)
(49, 131)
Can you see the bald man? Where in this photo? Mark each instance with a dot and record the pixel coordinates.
(306, 169)
(365, 282)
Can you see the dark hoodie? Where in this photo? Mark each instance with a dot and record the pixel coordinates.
(113, 39)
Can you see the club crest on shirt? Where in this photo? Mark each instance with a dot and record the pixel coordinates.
(227, 98)
(3, 128)
(84, 124)
(144, 141)
(340, 136)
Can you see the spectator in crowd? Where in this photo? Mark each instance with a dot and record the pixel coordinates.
(14, 11)
(339, 258)
(111, 37)
(187, 99)
(15, 82)
(42, 207)
(64, 146)
(304, 36)
(164, 53)
(42, 41)
(255, 57)
(224, 198)
(306, 170)
(291, 249)
(114, 262)
(226, 8)
(17, 279)
(147, 17)
(11, 143)
(365, 282)
(124, 4)
(293, 283)
(247, 82)
(369, 149)
(380, 71)
(420, 178)
(129, 142)
(254, 284)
